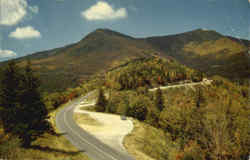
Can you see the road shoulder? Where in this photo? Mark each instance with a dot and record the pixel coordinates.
(108, 128)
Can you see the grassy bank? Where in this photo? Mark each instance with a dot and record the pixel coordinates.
(146, 142)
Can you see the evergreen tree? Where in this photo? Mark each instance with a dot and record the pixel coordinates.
(23, 113)
(200, 98)
(159, 103)
(200, 74)
(101, 101)
(168, 77)
(10, 96)
(33, 115)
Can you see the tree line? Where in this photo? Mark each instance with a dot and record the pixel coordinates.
(150, 72)
(205, 122)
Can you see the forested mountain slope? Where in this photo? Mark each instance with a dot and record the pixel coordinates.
(205, 121)
(104, 49)
(99, 51)
(209, 51)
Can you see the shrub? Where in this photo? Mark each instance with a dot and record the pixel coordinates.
(138, 107)
(9, 148)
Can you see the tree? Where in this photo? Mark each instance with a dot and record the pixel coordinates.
(200, 75)
(101, 101)
(10, 96)
(138, 107)
(168, 77)
(159, 102)
(200, 98)
(33, 115)
(24, 114)
(153, 116)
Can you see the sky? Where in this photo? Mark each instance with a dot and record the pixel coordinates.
(29, 26)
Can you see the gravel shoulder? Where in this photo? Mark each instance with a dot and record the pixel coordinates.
(108, 128)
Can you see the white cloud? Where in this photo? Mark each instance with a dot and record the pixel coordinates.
(13, 11)
(25, 33)
(103, 11)
(7, 53)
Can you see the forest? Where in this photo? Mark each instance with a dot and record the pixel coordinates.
(25, 129)
(150, 72)
(203, 122)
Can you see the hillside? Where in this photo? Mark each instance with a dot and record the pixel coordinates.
(99, 51)
(208, 51)
(207, 120)
(150, 72)
(104, 49)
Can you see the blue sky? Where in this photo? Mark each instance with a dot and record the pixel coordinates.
(28, 26)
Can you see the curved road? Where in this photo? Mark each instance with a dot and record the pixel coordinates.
(85, 142)
(204, 82)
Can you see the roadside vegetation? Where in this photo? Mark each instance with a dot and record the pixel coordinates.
(146, 142)
(49, 146)
(25, 129)
(202, 122)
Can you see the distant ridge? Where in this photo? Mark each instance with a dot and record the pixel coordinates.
(104, 49)
(208, 51)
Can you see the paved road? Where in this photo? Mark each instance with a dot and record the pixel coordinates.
(85, 142)
(207, 82)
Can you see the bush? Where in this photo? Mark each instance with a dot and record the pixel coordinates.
(9, 148)
(138, 107)
(123, 107)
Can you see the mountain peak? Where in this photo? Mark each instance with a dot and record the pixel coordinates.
(199, 35)
(103, 32)
(204, 31)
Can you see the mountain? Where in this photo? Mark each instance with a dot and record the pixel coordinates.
(207, 51)
(105, 49)
(99, 51)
